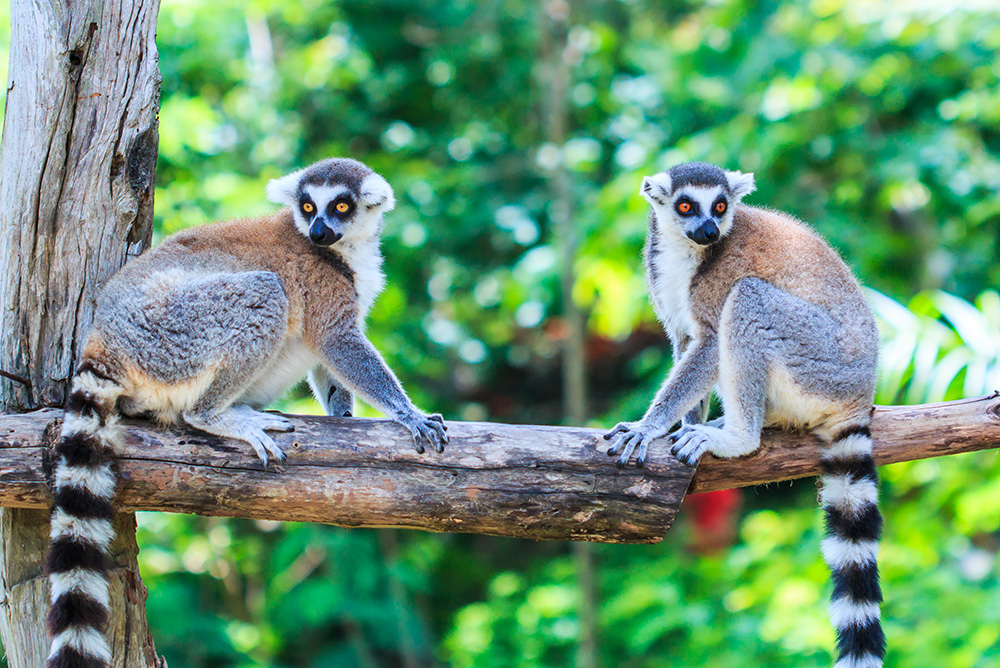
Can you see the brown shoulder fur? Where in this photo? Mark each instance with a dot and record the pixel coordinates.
(781, 250)
(317, 282)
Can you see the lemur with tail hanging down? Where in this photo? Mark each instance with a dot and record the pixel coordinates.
(210, 325)
(757, 305)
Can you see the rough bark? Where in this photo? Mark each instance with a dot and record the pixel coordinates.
(505, 480)
(510, 480)
(900, 433)
(76, 191)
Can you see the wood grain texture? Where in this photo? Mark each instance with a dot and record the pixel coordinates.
(76, 199)
(508, 480)
(900, 434)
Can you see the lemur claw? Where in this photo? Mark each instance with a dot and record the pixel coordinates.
(428, 428)
(629, 440)
(689, 451)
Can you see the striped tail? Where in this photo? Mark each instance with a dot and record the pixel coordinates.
(82, 531)
(849, 498)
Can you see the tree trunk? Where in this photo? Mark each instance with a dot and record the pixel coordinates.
(76, 199)
(558, 55)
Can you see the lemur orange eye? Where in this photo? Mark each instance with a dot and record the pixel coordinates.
(684, 207)
(343, 207)
(308, 207)
(720, 207)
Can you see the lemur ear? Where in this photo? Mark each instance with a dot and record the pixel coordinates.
(657, 188)
(740, 184)
(376, 192)
(283, 190)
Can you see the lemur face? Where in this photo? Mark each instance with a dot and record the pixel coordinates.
(696, 200)
(334, 200)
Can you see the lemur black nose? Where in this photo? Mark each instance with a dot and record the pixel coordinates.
(321, 235)
(707, 234)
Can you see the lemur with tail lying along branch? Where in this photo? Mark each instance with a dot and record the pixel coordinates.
(757, 305)
(210, 325)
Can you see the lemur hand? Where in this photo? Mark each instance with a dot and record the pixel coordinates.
(632, 437)
(429, 428)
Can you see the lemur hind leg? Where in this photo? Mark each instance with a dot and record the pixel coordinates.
(204, 356)
(772, 346)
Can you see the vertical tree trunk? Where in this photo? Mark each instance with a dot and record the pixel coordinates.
(76, 199)
(558, 57)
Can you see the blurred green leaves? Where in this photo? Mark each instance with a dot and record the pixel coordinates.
(939, 348)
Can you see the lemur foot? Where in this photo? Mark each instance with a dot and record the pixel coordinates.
(268, 421)
(690, 443)
(244, 424)
(693, 441)
(429, 428)
(631, 437)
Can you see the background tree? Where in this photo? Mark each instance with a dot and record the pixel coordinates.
(76, 186)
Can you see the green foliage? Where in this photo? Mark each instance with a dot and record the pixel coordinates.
(874, 121)
(939, 348)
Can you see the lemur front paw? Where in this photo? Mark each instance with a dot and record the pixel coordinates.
(429, 428)
(631, 437)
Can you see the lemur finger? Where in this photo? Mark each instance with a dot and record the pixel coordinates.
(437, 436)
(258, 448)
(428, 434)
(640, 453)
(272, 448)
(281, 425)
(438, 427)
(691, 456)
(689, 450)
(617, 445)
(680, 432)
(631, 441)
(620, 427)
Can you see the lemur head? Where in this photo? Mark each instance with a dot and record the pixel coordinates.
(334, 199)
(697, 199)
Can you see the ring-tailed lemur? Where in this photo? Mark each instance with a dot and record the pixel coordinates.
(755, 302)
(201, 330)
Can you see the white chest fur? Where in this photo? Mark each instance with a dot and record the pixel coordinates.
(672, 266)
(365, 260)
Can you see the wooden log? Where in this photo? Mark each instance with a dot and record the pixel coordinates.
(508, 480)
(900, 434)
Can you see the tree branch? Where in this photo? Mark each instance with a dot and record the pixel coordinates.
(509, 480)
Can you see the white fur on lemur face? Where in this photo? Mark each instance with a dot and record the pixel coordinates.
(696, 201)
(333, 201)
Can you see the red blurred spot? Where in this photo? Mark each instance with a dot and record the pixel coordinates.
(714, 519)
